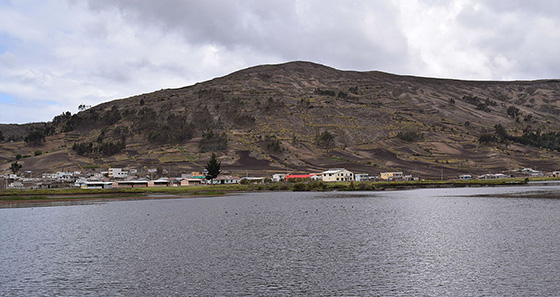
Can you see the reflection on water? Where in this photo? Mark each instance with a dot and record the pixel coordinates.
(405, 243)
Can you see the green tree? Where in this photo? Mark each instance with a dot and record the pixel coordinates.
(325, 140)
(487, 138)
(513, 111)
(213, 167)
(35, 137)
(15, 167)
(501, 133)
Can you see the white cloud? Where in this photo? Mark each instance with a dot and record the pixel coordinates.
(58, 54)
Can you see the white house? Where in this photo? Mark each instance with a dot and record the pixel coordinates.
(278, 177)
(131, 184)
(225, 180)
(96, 185)
(493, 176)
(64, 176)
(252, 180)
(531, 172)
(15, 185)
(337, 174)
(117, 173)
(361, 177)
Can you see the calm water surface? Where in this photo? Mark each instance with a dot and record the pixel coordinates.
(404, 243)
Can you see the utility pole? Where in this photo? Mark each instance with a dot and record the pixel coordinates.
(442, 174)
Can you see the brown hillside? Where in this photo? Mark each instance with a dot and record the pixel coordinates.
(271, 118)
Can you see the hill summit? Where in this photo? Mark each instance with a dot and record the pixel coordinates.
(306, 117)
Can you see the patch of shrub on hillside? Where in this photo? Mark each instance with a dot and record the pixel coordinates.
(105, 148)
(324, 92)
(35, 137)
(212, 141)
(410, 136)
(273, 144)
(325, 140)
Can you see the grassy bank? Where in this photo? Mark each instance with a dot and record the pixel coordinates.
(214, 190)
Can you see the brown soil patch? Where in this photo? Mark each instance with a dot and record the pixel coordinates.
(446, 149)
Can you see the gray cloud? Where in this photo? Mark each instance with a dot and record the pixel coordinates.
(59, 54)
(357, 34)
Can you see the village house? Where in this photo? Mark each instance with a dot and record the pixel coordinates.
(117, 173)
(159, 183)
(192, 181)
(15, 185)
(465, 176)
(62, 176)
(96, 185)
(494, 176)
(554, 174)
(337, 174)
(531, 172)
(298, 177)
(225, 180)
(193, 178)
(131, 184)
(360, 177)
(278, 177)
(391, 175)
(252, 180)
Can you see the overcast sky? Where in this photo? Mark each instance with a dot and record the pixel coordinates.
(58, 54)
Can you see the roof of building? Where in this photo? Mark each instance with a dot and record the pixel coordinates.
(298, 176)
(225, 177)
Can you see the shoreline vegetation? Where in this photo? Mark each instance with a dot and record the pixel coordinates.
(28, 197)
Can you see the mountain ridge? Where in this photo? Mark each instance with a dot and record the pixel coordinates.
(279, 118)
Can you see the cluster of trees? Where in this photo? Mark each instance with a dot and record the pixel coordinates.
(69, 122)
(173, 129)
(272, 106)
(62, 118)
(342, 94)
(548, 140)
(273, 144)
(324, 92)
(9, 138)
(104, 148)
(513, 111)
(111, 117)
(480, 104)
(325, 140)
(354, 90)
(410, 136)
(205, 120)
(83, 107)
(35, 137)
(212, 141)
(88, 118)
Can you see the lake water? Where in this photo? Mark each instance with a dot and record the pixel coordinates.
(431, 242)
